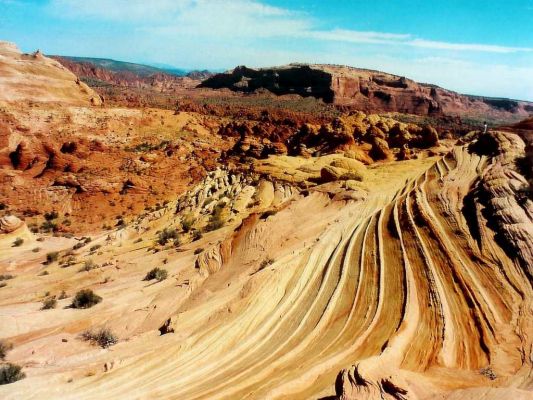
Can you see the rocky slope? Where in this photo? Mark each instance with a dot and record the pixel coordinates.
(343, 258)
(367, 90)
(404, 291)
(34, 77)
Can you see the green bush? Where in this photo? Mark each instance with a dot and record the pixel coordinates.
(85, 298)
(103, 337)
(10, 373)
(156, 273)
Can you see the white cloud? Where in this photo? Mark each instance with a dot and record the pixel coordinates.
(225, 33)
(246, 20)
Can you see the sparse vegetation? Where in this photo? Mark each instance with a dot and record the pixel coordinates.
(6, 277)
(36, 249)
(95, 247)
(10, 373)
(187, 223)
(156, 273)
(49, 303)
(85, 298)
(50, 216)
(103, 337)
(216, 221)
(18, 242)
(167, 234)
(5, 347)
(265, 263)
(52, 257)
(196, 235)
(48, 226)
(88, 266)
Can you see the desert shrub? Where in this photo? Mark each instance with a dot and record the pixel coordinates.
(63, 295)
(216, 221)
(49, 303)
(18, 242)
(167, 234)
(88, 265)
(71, 260)
(48, 226)
(3, 284)
(198, 251)
(3, 206)
(139, 240)
(10, 373)
(50, 216)
(85, 298)
(187, 223)
(95, 247)
(265, 263)
(196, 235)
(6, 277)
(156, 273)
(78, 245)
(43, 273)
(103, 337)
(52, 257)
(36, 249)
(5, 347)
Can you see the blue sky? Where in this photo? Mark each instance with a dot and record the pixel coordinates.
(478, 47)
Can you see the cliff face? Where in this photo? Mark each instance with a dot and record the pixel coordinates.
(301, 80)
(366, 90)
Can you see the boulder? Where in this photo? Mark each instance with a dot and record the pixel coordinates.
(380, 149)
(10, 223)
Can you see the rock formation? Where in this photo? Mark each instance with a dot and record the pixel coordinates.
(365, 90)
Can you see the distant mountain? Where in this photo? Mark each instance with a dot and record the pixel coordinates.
(103, 72)
(122, 66)
(367, 90)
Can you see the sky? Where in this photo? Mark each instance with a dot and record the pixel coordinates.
(474, 47)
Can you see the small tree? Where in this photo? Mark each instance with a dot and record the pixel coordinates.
(85, 298)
